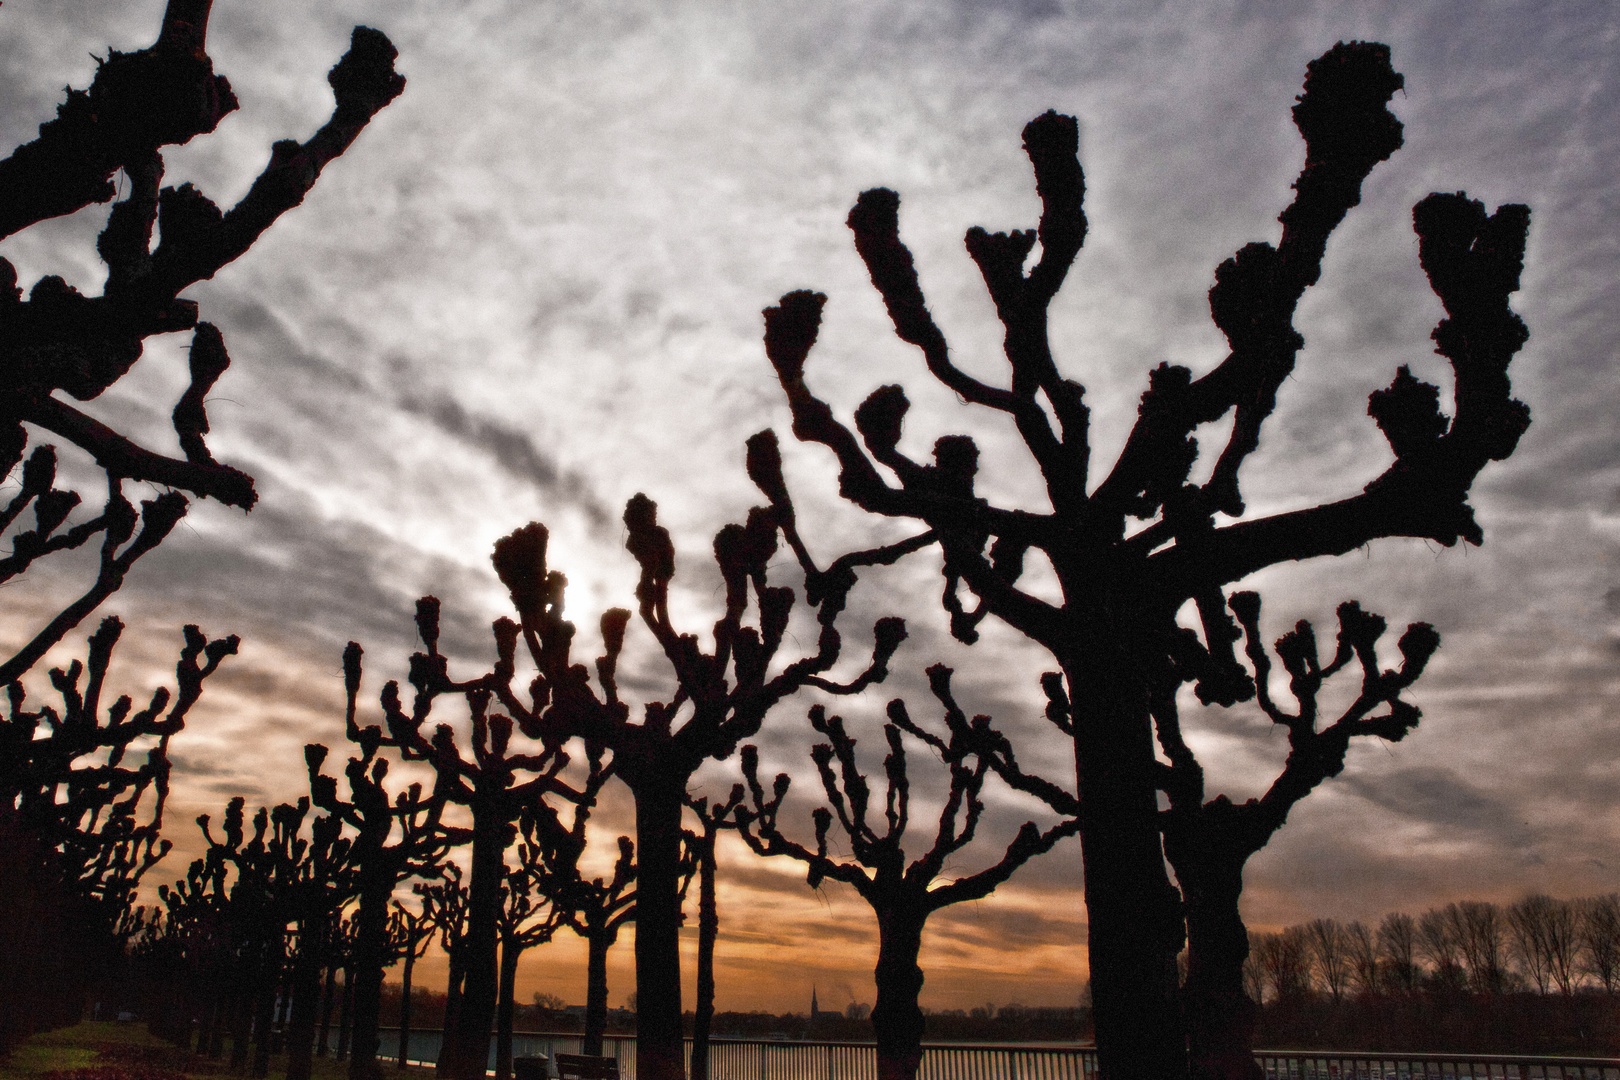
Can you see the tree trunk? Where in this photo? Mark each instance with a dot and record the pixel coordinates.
(708, 931)
(217, 1014)
(660, 1050)
(264, 1010)
(1134, 913)
(171, 1008)
(897, 1018)
(452, 1008)
(480, 971)
(510, 952)
(1220, 1016)
(328, 999)
(346, 1017)
(405, 1010)
(278, 1022)
(599, 940)
(241, 1016)
(306, 999)
(370, 958)
(218, 1010)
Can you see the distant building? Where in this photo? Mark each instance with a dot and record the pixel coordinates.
(815, 1009)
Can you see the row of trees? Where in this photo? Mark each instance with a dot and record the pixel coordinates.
(1539, 943)
(84, 778)
(259, 918)
(310, 889)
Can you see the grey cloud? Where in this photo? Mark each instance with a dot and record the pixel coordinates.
(514, 450)
(1021, 9)
(312, 582)
(233, 788)
(191, 765)
(1440, 799)
(979, 927)
(1307, 874)
(270, 338)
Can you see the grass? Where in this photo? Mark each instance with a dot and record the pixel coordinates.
(109, 1050)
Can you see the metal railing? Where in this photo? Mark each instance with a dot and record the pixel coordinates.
(765, 1059)
(741, 1059)
(1345, 1065)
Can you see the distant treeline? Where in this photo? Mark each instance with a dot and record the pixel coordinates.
(1536, 976)
(544, 1013)
(986, 1023)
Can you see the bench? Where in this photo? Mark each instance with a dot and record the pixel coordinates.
(587, 1067)
(530, 1068)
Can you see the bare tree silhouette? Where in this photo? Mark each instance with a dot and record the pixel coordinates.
(317, 882)
(278, 878)
(497, 782)
(902, 896)
(421, 840)
(1133, 549)
(183, 959)
(1481, 933)
(1473, 999)
(343, 961)
(339, 958)
(1397, 951)
(1209, 843)
(1439, 943)
(1329, 955)
(59, 340)
(711, 819)
(413, 932)
(72, 839)
(658, 757)
(527, 918)
(594, 908)
(1362, 948)
(1600, 940)
(1285, 963)
(597, 909)
(445, 904)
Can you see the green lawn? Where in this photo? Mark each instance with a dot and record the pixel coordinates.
(107, 1050)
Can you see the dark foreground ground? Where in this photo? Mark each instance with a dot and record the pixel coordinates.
(126, 1051)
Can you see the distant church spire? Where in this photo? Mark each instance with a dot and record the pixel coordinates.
(815, 1010)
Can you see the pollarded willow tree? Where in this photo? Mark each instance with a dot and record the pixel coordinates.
(1134, 547)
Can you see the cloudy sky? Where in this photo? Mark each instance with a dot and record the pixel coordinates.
(532, 288)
